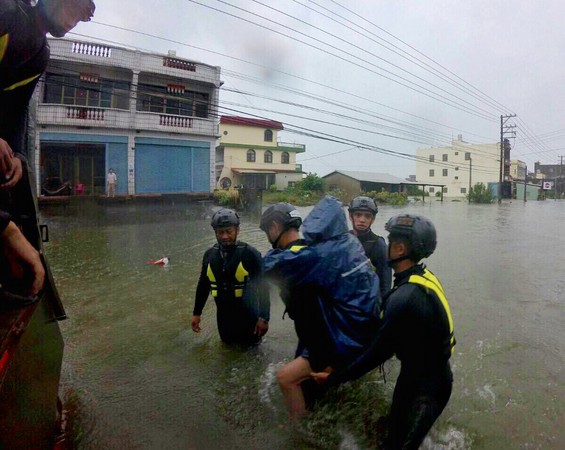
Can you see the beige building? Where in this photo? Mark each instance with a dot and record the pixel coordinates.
(517, 170)
(457, 167)
(250, 154)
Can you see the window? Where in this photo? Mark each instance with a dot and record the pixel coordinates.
(285, 158)
(268, 136)
(432, 190)
(431, 172)
(291, 183)
(456, 153)
(444, 157)
(250, 155)
(432, 158)
(158, 99)
(457, 168)
(445, 190)
(463, 190)
(71, 90)
(444, 172)
(334, 187)
(268, 156)
(456, 178)
(467, 156)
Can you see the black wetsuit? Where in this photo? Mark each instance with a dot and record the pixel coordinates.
(232, 275)
(417, 327)
(24, 54)
(376, 250)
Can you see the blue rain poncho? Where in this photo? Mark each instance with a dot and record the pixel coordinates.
(335, 264)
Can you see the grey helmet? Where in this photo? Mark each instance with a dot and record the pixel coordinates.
(419, 231)
(283, 213)
(363, 203)
(225, 218)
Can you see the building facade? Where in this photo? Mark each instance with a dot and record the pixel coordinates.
(457, 167)
(353, 183)
(149, 117)
(250, 155)
(517, 170)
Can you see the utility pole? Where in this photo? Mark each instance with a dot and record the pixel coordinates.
(470, 172)
(525, 183)
(503, 130)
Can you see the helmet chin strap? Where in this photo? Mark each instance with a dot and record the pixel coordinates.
(276, 241)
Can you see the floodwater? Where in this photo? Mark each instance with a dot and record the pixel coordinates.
(137, 377)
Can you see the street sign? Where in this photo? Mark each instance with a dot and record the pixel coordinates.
(547, 185)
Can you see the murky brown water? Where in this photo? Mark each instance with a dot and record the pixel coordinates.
(145, 381)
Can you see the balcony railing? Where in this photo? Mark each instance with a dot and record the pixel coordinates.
(289, 144)
(49, 114)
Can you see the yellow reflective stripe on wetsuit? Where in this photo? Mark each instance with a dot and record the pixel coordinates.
(4, 41)
(297, 248)
(3, 45)
(241, 275)
(430, 281)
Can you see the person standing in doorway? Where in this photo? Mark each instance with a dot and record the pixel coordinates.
(362, 212)
(231, 272)
(112, 181)
(417, 327)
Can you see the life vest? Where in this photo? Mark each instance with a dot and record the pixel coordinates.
(430, 282)
(227, 276)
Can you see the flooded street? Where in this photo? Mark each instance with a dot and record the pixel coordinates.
(144, 380)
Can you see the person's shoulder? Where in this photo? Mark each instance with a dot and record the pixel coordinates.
(8, 13)
(249, 248)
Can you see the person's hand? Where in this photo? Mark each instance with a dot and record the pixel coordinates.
(23, 257)
(196, 324)
(10, 166)
(321, 377)
(261, 327)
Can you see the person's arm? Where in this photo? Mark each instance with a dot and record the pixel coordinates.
(202, 293)
(260, 291)
(381, 267)
(10, 166)
(22, 254)
(379, 350)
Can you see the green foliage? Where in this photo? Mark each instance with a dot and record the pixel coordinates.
(226, 197)
(312, 182)
(389, 198)
(438, 194)
(273, 188)
(480, 193)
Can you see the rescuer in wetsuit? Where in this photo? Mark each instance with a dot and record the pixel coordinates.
(362, 212)
(417, 326)
(231, 272)
(329, 289)
(24, 54)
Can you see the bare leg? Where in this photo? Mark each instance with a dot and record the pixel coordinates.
(289, 378)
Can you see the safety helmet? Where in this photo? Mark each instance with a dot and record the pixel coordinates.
(363, 203)
(417, 230)
(283, 213)
(225, 218)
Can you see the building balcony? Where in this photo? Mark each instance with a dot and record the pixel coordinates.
(301, 147)
(84, 116)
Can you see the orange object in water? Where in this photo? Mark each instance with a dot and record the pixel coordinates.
(160, 262)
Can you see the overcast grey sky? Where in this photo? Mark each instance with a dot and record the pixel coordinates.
(392, 75)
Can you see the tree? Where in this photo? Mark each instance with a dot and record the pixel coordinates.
(479, 193)
(312, 182)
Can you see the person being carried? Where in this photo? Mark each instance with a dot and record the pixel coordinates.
(417, 327)
(362, 212)
(231, 271)
(329, 289)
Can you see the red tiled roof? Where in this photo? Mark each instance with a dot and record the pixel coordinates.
(251, 122)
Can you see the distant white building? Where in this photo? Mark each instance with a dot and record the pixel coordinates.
(458, 166)
(517, 170)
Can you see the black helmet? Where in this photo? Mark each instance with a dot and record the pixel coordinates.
(225, 218)
(417, 230)
(363, 203)
(283, 213)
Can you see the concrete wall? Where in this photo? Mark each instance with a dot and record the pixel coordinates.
(351, 187)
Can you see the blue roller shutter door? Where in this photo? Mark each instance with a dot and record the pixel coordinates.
(171, 168)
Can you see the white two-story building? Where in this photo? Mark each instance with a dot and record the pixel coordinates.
(150, 117)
